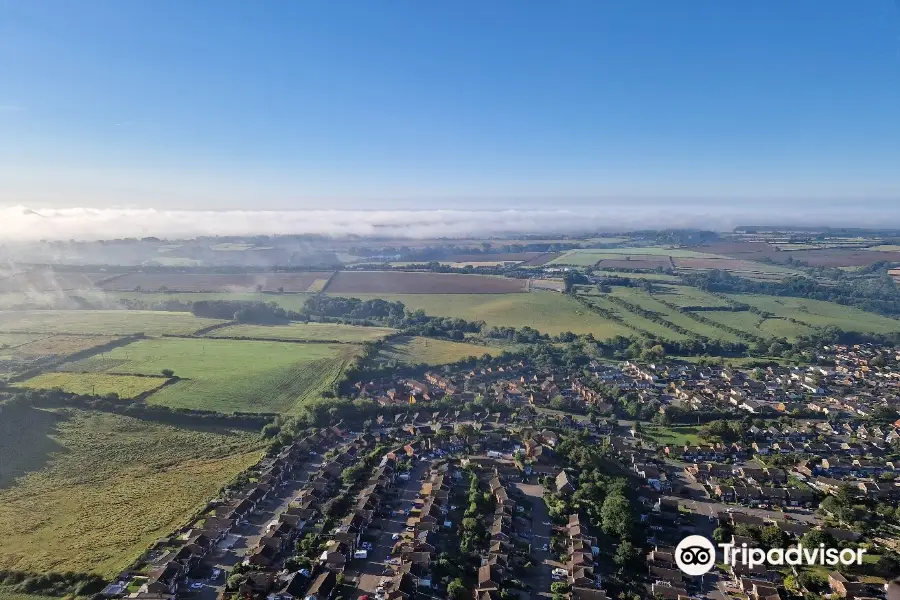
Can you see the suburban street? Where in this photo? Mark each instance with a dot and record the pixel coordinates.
(540, 579)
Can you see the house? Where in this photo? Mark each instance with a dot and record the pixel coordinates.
(844, 587)
(322, 587)
(564, 485)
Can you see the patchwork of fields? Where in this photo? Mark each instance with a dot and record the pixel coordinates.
(215, 282)
(104, 487)
(228, 375)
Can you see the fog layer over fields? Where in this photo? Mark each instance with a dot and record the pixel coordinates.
(20, 223)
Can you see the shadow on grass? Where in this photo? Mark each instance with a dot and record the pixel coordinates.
(26, 441)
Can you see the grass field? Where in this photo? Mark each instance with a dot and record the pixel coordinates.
(12, 340)
(228, 375)
(683, 295)
(61, 345)
(6, 594)
(588, 256)
(126, 386)
(756, 325)
(305, 331)
(635, 319)
(661, 277)
(644, 300)
(292, 301)
(419, 350)
(110, 322)
(820, 314)
(114, 486)
(678, 435)
(548, 312)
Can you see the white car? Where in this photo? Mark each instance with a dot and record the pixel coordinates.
(545, 548)
(196, 586)
(560, 572)
(216, 573)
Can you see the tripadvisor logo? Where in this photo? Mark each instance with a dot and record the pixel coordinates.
(696, 555)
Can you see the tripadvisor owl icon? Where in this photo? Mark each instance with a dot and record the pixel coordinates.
(695, 555)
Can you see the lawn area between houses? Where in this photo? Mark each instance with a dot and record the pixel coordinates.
(110, 322)
(229, 375)
(113, 486)
(99, 384)
(677, 435)
(304, 331)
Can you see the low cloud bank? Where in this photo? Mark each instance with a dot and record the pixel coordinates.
(19, 223)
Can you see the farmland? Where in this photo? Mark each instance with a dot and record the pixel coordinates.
(108, 322)
(648, 302)
(126, 386)
(403, 282)
(548, 312)
(657, 255)
(682, 295)
(634, 320)
(44, 280)
(215, 282)
(292, 301)
(756, 325)
(60, 345)
(106, 486)
(419, 350)
(821, 314)
(228, 375)
(331, 332)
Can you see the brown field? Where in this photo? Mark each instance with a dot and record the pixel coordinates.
(644, 262)
(48, 281)
(824, 257)
(730, 264)
(838, 257)
(402, 282)
(215, 282)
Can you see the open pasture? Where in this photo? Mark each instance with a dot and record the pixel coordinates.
(228, 375)
(818, 313)
(420, 350)
(548, 312)
(47, 280)
(105, 322)
(95, 489)
(403, 282)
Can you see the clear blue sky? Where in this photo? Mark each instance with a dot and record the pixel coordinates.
(297, 104)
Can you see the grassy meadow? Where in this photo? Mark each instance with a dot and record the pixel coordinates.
(109, 322)
(420, 350)
(644, 300)
(304, 331)
(228, 375)
(100, 384)
(108, 486)
(818, 313)
(548, 312)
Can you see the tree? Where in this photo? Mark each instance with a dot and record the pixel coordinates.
(168, 373)
(721, 535)
(625, 553)
(457, 590)
(616, 515)
(773, 537)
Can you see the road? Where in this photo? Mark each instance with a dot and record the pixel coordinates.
(370, 572)
(541, 579)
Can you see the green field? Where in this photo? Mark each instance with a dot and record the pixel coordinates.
(291, 301)
(683, 295)
(11, 340)
(229, 375)
(305, 331)
(548, 312)
(635, 319)
(100, 384)
(111, 486)
(420, 350)
(756, 325)
(821, 314)
(677, 435)
(660, 277)
(116, 322)
(644, 300)
(588, 256)
(6, 594)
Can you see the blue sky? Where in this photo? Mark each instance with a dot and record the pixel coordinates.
(367, 104)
